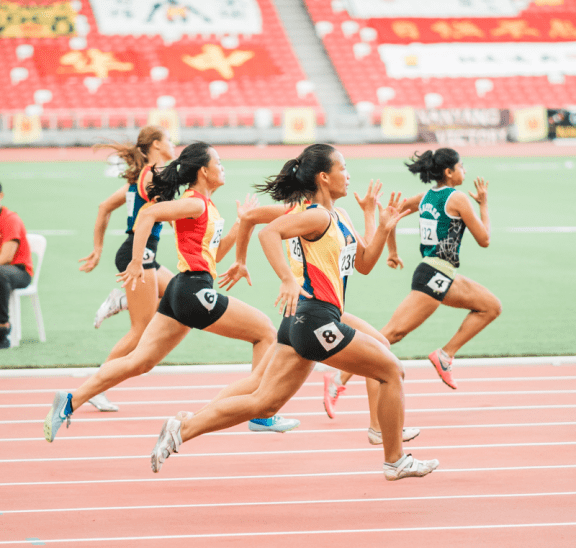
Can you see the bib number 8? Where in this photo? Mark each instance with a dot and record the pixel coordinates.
(329, 336)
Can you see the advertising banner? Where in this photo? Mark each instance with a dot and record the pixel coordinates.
(478, 60)
(25, 20)
(173, 19)
(213, 62)
(467, 126)
(531, 124)
(299, 126)
(446, 8)
(168, 119)
(399, 124)
(26, 129)
(56, 61)
(533, 28)
(561, 124)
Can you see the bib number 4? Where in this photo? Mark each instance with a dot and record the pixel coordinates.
(439, 283)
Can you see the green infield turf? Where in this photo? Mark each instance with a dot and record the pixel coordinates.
(530, 265)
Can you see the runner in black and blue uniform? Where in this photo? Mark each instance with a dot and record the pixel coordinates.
(153, 148)
(445, 213)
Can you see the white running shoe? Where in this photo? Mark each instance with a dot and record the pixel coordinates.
(102, 403)
(273, 424)
(408, 434)
(168, 442)
(409, 468)
(114, 303)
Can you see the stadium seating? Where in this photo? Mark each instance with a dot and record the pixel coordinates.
(354, 46)
(92, 99)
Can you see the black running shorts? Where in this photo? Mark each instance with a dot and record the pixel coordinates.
(315, 332)
(124, 254)
(431, 281)
(190, 300)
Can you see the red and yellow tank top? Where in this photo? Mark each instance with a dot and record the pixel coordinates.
(329, 261)
(197, 239)
(294, 248)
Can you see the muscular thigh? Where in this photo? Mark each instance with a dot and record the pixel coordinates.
(468, 294)
(143, 300)
(361, 325)
(242, 321)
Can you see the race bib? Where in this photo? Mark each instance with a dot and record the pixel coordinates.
(428, 231)
(439, 283)
(208, 298)
(130, 197)
(148, 257)
(218, 229)
(329, 336)
(295, 249)
(347, 259)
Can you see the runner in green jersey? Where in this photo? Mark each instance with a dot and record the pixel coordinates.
(445, 213)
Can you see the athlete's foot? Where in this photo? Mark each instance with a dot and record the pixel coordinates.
(114, 303)
(102, 403)
(168, 442)
(408, 467)
(273, 424)
(60, 411)
(443, 365)
(408, 434)
(332, 392)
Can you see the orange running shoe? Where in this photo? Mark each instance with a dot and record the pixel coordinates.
(332, 392)
(443, 364)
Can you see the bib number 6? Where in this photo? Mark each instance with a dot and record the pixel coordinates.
(208, 298)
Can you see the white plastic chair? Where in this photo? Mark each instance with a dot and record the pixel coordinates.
(37, 244)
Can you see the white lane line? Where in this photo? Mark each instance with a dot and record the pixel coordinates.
(298, 431)
(295, 533)
(317, 398)
(350, 383)
(323, 414)
(246, 367)
(532, 469)
(295, 452)
(292, 502)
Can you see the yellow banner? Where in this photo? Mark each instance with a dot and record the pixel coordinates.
(299, 126)
(26, 129)
(168, 119)
(399, 123)
(37, 21)
(531, 124)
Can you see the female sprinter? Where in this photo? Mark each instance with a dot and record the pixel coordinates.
(444, 215)
(333, 382)
(311, 329)
(153, 148)
(189, 300)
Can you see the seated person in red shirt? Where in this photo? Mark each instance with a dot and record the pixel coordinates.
(15, 263)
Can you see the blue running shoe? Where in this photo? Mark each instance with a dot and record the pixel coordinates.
(273, 424)
(61, 411)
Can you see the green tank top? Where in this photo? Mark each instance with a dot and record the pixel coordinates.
(440, 233)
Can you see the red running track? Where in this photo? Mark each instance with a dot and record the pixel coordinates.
(506, 441)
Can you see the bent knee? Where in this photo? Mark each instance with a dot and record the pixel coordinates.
(394, 335)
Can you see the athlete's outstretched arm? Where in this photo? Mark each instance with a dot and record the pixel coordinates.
(105, 210)
(478, 227)
(411, 204)
(253, 217)
(310, 224)
(368, 204)
(190, 208)
(229, 240)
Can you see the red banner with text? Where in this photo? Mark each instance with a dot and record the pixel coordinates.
(559, 27)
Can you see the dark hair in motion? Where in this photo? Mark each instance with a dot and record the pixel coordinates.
(431, 165)
(297, 179)
(136, 155)
(183, 171)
